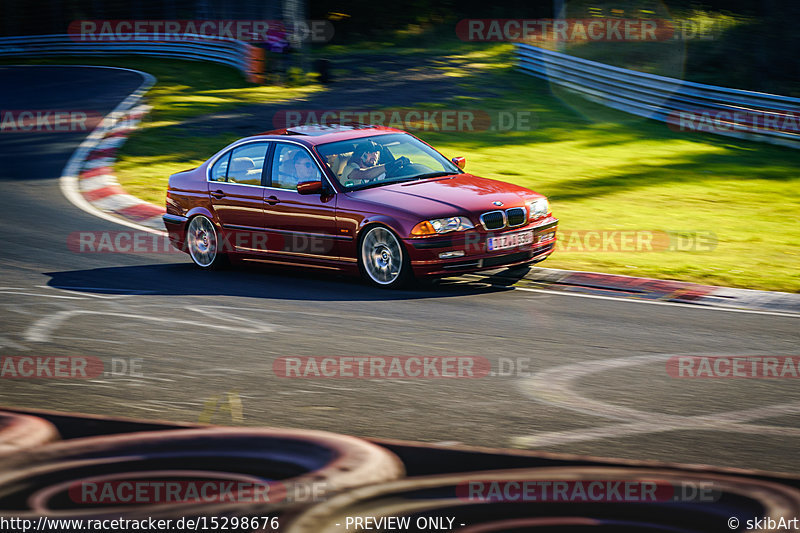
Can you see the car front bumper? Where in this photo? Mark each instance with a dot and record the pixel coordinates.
(426, 260)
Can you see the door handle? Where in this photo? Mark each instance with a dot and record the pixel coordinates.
(218, 194)
(272, 200)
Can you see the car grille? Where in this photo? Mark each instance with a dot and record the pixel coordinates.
(516, 216)
(512, 217)
(493, 220)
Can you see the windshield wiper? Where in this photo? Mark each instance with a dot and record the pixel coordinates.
(378, 183)
(433, 175)
(401, 180)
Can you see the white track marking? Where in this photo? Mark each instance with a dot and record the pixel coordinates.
(6, 342)
(665, 423)
(84, 338)
(116, 201)
(128, 292)
(633, 300)
(98, 182)
(69, 176)
(556, 386)
(42, 329)
(110, 142)
(207, 309)
(58, 296)
(97, 163)
(216, 371)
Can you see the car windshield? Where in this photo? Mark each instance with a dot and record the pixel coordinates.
(382, 159)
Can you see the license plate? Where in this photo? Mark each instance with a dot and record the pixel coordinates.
(510, 240)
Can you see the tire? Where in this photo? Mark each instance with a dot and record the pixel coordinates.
(203, 244)
(450, 495)
(43, 480)
(382, 260)
(22, 432)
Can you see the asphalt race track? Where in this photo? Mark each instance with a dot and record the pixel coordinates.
(594, 382)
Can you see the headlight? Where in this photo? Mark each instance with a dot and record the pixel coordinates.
(441, 225)
(538, 208)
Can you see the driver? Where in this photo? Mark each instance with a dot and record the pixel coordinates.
(363, 164)
(304, 167)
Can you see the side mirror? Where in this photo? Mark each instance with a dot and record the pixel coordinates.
(460, 162)
(310, 187)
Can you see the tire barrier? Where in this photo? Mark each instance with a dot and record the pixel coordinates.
(20, 432)
(68, 479)
(474, 508)
(456, 489)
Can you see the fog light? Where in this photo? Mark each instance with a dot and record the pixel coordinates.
(449, 255)
(546, 237)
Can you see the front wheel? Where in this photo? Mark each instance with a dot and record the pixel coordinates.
(382, 259)
(203, 243)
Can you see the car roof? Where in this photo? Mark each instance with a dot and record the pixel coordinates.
(314, 134)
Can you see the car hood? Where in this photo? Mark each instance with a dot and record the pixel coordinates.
(447, 195)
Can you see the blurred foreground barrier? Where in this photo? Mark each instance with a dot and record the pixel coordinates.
(207, 471)
(569, 499)
(683, 105)
(114, 468)
(246, 58)
(20, 432)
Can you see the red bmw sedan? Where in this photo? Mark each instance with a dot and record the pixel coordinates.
(368, 200)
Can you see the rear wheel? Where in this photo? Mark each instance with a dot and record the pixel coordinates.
(382, 259)
(202, 240)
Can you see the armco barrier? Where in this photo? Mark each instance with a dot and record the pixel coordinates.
(246, 58)
(733, 112)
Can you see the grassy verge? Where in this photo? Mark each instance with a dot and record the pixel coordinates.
(603, 170)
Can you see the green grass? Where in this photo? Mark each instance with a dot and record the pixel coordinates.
(185, 90)
(602, 170)
(605, 170)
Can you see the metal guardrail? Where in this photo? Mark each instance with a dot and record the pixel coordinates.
(684, 105)
(246, 58)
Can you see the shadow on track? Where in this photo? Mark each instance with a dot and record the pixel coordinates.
(182, 279)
